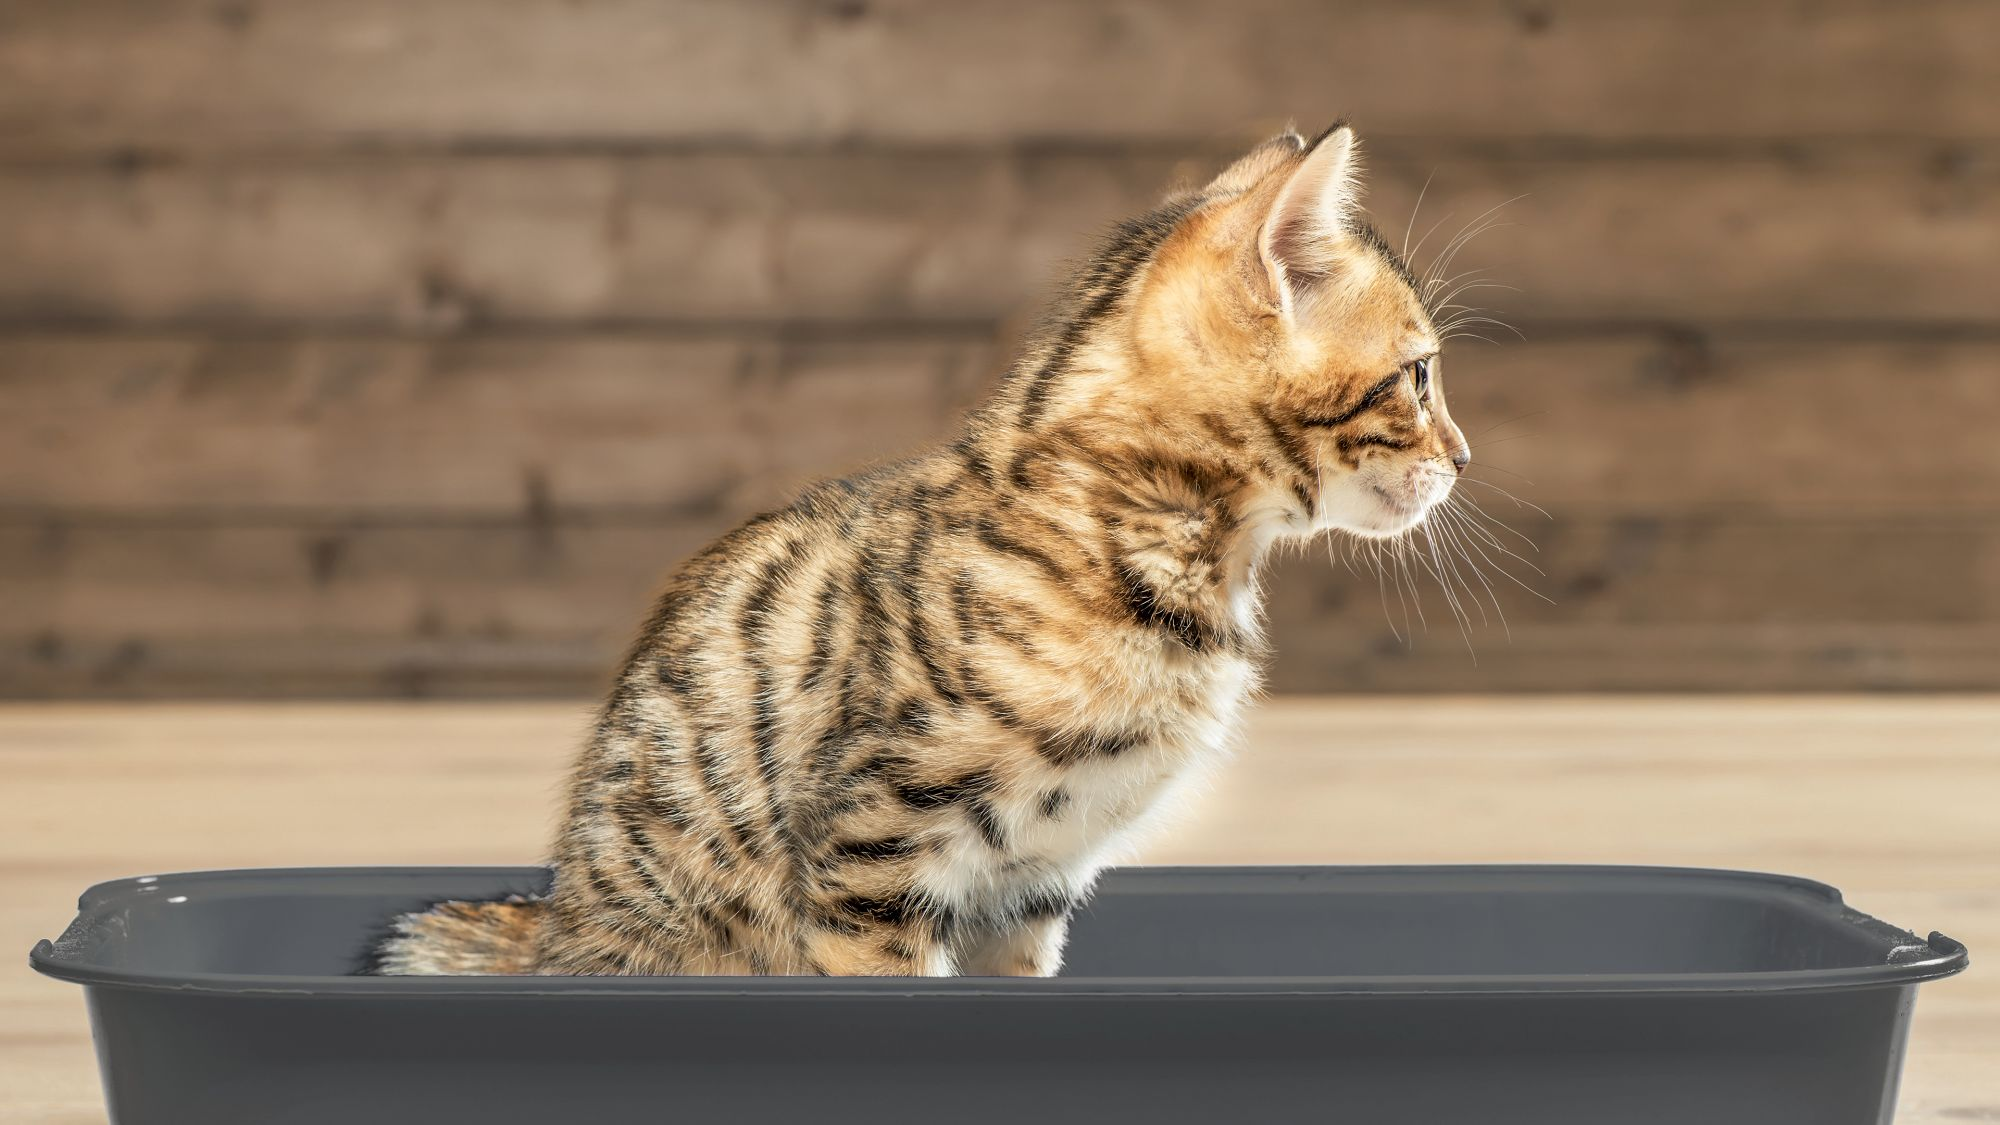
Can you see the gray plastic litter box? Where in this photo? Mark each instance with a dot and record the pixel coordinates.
(1376, 996)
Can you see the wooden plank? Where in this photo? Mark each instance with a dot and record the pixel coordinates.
(1536, 660)
(1620, 424)
(1647, 656)
(565, 575)
(1678, 422)
(428, 241)
(1312, 657)
(103, 73)
(303, 666)
(1650, 570)
(344, 609)
(716, 425)
(1888, 799)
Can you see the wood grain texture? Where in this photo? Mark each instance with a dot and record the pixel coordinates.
(285, 75)
(1882, 232)
(717, 423)
(315, 664)
(344, 608)
(1889, 800)
(659, 425)
(346, 515)
(1643, 657)
(397, 346)
(583, 575)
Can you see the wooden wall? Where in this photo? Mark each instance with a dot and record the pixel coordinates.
(397, 346)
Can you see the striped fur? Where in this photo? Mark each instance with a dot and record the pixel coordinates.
(899, 726)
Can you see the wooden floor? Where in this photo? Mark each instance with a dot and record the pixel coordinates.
(1895, 801)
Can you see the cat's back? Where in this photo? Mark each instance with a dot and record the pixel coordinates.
(743, 591)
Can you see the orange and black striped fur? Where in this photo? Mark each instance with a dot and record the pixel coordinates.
(899, 726)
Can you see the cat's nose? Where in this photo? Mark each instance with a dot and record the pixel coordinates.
(1461, 457)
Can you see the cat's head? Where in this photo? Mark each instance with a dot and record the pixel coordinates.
(1275, 310)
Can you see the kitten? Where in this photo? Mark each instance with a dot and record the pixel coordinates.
(899, 726)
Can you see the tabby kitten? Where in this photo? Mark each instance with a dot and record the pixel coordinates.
(899, 726)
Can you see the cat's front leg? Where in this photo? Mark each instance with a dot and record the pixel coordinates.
(1033, 948)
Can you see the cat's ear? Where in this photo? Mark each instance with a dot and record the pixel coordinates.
(1310, 218)
(1251, 169)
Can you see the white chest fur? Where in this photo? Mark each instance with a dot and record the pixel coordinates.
(1062, 826)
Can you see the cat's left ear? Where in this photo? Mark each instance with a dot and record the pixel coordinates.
(1311, 216)
(1251, 169)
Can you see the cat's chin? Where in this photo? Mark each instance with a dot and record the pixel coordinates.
(1388, 527)
(1374, 512)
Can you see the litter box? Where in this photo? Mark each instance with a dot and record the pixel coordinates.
(1377, 996)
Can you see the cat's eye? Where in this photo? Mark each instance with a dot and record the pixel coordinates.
(1420, 378)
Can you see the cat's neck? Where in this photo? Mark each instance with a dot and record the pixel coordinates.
(1143, 508)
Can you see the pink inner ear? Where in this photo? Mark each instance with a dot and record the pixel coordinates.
(1296, 245)
(1309, 217)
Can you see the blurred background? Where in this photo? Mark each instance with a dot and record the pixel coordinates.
(397, 348)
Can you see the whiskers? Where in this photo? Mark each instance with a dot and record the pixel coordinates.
(1440, 290)
(1469, 553)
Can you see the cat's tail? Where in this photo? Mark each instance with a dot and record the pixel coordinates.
(462, 939)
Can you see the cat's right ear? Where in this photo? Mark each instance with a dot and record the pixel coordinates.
(1310, 218)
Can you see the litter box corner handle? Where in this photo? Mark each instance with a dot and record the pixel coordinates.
(1950, 948)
